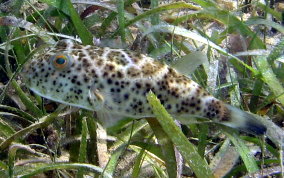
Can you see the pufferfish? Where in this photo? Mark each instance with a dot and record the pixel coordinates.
(116, 82)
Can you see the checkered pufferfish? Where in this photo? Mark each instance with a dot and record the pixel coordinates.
(116, 81)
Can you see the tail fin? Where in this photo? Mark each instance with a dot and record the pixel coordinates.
(243, 121)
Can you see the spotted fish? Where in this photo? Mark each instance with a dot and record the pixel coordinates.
(116, 81)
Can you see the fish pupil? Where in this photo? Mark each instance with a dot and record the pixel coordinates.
(60, 61)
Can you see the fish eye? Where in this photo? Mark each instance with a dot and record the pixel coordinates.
(60, 61)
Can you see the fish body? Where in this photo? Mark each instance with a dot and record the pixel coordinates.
(116, 81)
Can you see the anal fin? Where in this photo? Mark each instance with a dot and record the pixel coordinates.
(109, 120)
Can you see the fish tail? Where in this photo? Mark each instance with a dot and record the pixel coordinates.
(241, 120)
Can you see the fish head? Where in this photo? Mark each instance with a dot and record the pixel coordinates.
(60, 74)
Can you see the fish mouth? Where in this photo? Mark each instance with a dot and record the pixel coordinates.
(26, 78)
(26, 72)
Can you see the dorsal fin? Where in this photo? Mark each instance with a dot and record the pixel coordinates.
(188, 63)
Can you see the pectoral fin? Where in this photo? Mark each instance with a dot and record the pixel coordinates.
(96, 99)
